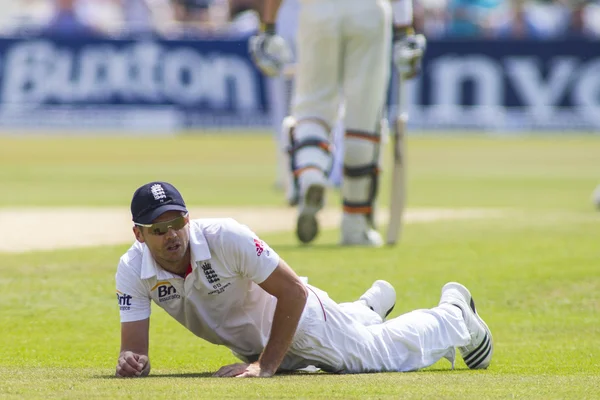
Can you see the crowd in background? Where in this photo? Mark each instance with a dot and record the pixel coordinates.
(520, 19)
(169, 18)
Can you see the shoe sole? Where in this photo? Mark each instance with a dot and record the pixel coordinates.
(307, 226)
(485, 349)
(389, 311)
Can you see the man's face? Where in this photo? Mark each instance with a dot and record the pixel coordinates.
(167, 246)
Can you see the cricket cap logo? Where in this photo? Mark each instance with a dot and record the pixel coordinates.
(158, 192)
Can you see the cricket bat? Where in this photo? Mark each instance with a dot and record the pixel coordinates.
(398, 190)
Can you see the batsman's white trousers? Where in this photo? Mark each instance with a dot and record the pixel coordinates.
(343, 46)
(350, 338)
(280, 98)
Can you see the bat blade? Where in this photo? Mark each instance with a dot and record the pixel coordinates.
(398, 190)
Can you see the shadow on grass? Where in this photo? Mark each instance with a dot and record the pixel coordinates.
(189, 375)
(180, 375)
(444, 370)
(184, 375)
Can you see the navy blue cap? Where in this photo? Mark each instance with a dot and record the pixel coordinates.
(153, 199)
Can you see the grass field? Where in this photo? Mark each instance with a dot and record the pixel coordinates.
(534, 272)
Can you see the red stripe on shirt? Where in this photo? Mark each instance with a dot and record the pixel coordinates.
(322, 308)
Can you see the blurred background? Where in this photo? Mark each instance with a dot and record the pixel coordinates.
(171, 65)
(469, 19)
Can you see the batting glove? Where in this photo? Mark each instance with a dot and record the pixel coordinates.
(408, 52)
(270, 52)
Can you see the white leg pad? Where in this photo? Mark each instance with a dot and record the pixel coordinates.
(312, 155)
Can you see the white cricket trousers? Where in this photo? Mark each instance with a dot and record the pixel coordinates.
(350, 338)
(343, 49)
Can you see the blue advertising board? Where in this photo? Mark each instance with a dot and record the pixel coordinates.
(509, 85)
(164, 85)
(125, 83)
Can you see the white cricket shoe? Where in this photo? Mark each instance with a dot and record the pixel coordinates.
(313, 184)
(356, 231)
(478, 353)
(380, 297)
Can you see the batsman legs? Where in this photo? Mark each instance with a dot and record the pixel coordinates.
(343, 57)
(280, 94)
(347, 49)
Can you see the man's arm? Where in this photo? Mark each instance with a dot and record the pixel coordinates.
(269, 51)
(269, 14)
(291, 296)
(133, 358)
(408, 47)
(402, 11)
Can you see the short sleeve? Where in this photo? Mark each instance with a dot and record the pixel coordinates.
(250, 256)
(132, 295)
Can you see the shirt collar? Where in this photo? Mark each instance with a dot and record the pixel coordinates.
(151, 268)
(198, 245)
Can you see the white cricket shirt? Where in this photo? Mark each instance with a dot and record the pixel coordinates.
(220, 300)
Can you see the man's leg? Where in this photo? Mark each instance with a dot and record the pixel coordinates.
(335, 340)
(366, 76)
(425, 336)
(315, 107)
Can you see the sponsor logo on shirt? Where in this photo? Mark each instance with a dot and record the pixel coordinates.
(124, 301)
(166, 291)
(260, 247)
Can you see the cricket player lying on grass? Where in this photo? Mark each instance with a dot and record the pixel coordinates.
(225, 285)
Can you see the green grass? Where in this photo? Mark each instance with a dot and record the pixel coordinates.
(534, 272)
(546, 172)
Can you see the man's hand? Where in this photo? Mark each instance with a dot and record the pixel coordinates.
(270, 52)
(242, 370)
(131, 365)
(408, 52)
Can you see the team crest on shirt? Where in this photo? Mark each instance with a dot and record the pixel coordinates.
(212, 277)
(209, 272)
